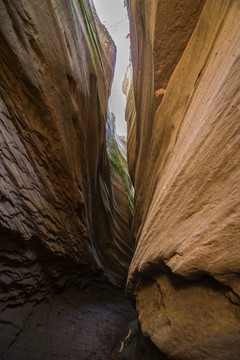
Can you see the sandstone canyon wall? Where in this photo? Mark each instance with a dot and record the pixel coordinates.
(183, 146)
(61, 218)
(66, 198)
(56, 75)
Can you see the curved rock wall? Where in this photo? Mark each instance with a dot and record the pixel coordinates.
(56, 73)
(118, 198)
(56, 69)
(130, 116)
(185, 271)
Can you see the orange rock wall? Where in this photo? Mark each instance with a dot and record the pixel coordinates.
(185, 271)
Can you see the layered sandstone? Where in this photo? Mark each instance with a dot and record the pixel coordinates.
(66, 197)
(130, 116)
(185, 270)
(56, 68)
(56, 74)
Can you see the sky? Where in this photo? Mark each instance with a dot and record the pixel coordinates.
(113, 15)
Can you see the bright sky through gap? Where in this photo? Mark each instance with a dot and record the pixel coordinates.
(113, 15)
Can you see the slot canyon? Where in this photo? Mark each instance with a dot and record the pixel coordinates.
(89, 267)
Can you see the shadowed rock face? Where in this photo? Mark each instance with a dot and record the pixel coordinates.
(55, 80)
(184, 145)
(56, 68)
(55, 309)
(121, 189)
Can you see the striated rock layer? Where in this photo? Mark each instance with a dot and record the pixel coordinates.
(56, 68)
(184, 142)
(55, 80)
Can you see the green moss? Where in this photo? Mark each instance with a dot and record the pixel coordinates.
(117, 167)
(93, 41)
(107, 207)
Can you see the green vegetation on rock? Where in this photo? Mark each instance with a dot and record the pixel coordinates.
(93, 41)
(117, 167)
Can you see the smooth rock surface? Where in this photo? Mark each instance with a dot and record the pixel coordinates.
(186, 171)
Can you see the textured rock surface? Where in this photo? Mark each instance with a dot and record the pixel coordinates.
(185, 271)
(130, 116)
(81, 319)
(189, 320)
(64, 209)
(164, 31)
(53, 111)
(55, 77)
(116, 207)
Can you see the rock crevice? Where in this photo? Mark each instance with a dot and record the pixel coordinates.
(67, 219)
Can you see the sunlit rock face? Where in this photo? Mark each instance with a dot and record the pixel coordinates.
(55, 78)
(185, 167)
(130, 116)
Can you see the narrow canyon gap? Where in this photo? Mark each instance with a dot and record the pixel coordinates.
(74, 243)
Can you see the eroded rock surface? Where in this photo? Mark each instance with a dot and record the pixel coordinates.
(77, 316)
(185, 270)
(66, 203)
(56, 68)
(115, 197)
(55, 81)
